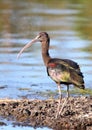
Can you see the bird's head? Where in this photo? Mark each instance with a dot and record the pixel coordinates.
(42, 37)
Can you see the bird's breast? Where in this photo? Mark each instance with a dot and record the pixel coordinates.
(57, 74)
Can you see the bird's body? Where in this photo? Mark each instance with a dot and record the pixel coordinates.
(62, 71)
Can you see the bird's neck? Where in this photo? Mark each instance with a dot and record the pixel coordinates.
(45, 53)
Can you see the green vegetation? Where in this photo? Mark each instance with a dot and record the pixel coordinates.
(73, 92)
(81, 91)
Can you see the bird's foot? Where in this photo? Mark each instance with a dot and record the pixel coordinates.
(61, 112)
(60, 109)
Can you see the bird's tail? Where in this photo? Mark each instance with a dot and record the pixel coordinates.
(77, 79)
(82, 86)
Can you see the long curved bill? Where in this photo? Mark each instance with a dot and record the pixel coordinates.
(27, 45)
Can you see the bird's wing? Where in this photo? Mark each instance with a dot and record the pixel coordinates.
(71, 64)
(68, 63)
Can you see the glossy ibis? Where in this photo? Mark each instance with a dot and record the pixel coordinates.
(62, 71)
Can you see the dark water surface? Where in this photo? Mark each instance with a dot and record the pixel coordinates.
(69, 25)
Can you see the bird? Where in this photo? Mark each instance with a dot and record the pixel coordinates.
(62, 71)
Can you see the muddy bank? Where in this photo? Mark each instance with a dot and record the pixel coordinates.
(76, 114)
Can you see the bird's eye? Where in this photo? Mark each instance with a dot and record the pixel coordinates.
(39, 36)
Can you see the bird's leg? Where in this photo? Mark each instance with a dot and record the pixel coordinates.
(59, 90)
(66, 100)
(68, 95)
(60, 97)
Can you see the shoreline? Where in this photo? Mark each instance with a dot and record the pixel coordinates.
(76, 114)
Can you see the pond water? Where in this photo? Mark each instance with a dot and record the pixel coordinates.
(69, 24)
(10, 127)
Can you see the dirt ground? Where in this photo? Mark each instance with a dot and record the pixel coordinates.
(76, 113)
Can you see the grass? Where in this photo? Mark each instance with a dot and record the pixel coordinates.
(81, 91)
(54, 94)
(73, 91)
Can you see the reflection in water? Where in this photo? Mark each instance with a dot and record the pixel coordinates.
(23, 20)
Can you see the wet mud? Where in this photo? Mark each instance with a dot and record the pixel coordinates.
(75, 115)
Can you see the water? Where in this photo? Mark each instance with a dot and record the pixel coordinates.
(69, 25)
(10, 127)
